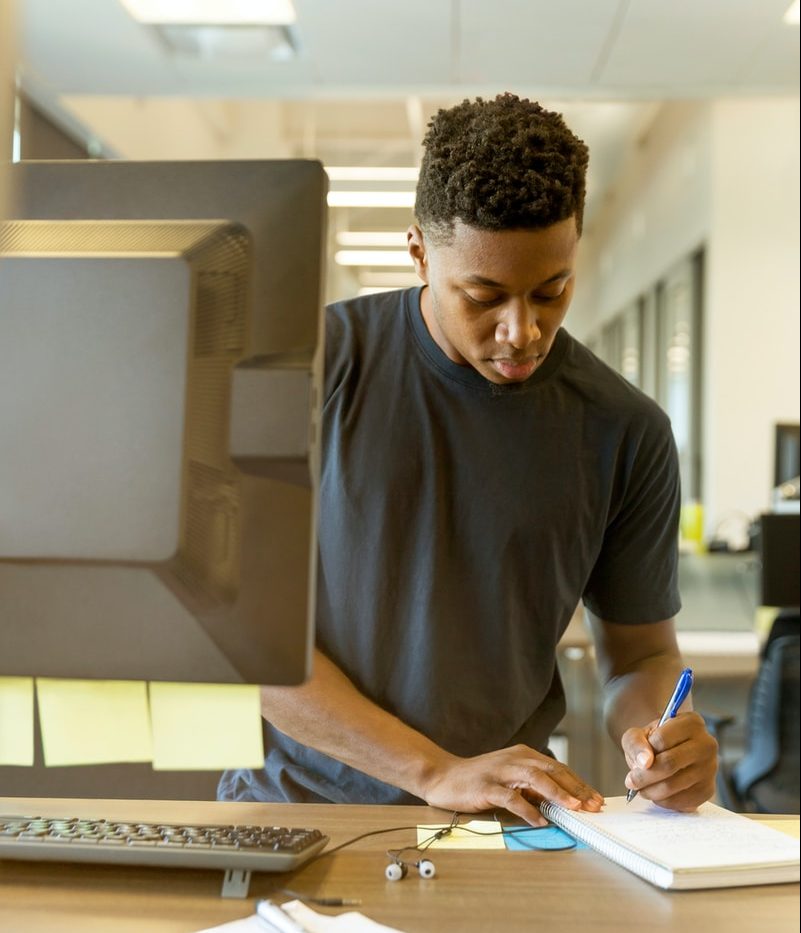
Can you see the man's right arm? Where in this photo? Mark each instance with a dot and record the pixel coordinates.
(329, 714)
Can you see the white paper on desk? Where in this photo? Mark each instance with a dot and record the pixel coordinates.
(246, 925)
(350, 922)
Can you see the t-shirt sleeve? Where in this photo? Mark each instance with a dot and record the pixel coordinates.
(635, 578)
(338, 350)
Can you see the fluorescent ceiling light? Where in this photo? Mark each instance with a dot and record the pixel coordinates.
(276, 43)
(372, 257)
(371, 198)
(371, 173)
(221, 29)
(213, 12)
(372, 238)
(793, 14)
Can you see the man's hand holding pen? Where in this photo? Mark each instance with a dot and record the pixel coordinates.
(673, 760)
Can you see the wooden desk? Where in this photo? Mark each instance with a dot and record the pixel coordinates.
(474, 891)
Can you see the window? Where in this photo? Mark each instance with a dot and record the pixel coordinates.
(678, 365)
(655, 342)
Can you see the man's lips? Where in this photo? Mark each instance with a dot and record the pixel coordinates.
(516, 369)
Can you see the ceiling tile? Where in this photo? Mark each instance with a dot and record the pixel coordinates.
(374, 45)
(699, 48)
(535, 43)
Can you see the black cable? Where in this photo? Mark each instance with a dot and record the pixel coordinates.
(429, 840)
(420, 847)
(350, 842)
(334, 901)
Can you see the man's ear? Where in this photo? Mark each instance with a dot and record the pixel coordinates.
(416, 245)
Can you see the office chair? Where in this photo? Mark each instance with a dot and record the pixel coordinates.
(766, 778)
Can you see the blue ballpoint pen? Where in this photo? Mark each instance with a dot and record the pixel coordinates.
(683, 687)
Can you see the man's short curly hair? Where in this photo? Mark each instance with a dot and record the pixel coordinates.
(502, 164)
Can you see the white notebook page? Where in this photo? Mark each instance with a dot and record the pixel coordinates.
(709, 838)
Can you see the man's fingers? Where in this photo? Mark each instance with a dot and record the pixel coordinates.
(674, 746)
(514, 778)
(685, 790)
(553, 781)
(637, 748)
(686, 727)
(680, 765)
(508, 798)
(665, 764)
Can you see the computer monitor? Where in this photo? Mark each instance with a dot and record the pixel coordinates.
(779, 559)
(786, 453)
(160, 371)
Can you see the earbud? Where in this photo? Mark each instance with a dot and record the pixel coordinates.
(398, 868)
(395, 871)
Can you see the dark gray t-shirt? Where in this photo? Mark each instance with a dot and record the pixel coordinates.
(460, 525)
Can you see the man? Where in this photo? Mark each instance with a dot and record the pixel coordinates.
(482, 473)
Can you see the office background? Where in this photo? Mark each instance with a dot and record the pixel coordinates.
(691, 112)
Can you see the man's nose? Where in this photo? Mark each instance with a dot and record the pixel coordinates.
(518, 325)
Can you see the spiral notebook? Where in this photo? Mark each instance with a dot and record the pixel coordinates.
(711, 848)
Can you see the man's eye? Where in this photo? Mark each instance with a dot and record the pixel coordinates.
(548, 297)
(482, 300)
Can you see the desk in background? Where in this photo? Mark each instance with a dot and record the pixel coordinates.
(474, 891)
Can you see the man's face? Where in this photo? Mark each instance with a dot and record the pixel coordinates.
(496, 298)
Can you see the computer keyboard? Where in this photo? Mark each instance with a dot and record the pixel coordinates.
(243, 848)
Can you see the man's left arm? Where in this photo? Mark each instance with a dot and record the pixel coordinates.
(673, 765)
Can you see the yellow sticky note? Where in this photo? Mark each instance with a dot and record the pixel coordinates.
(788, 827)
(764, 618)
(476, 834)
(16, 721)
(92, 722)
(200, 727)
